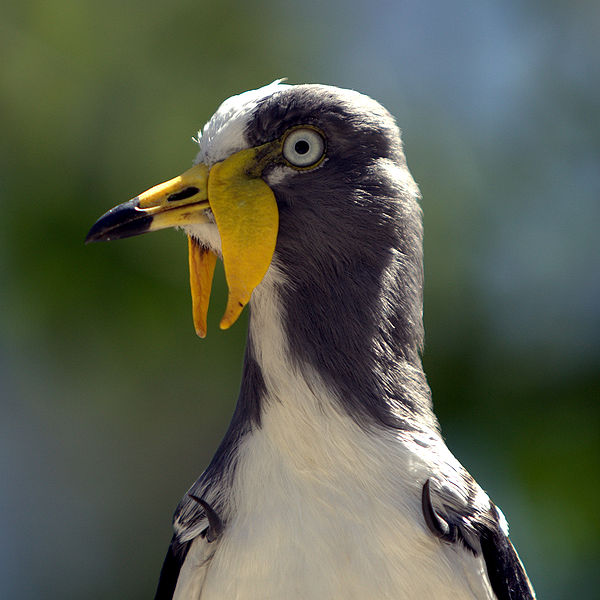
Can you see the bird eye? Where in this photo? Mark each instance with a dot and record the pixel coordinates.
(303, 147)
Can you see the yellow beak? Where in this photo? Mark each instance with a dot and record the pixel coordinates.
(230, 194)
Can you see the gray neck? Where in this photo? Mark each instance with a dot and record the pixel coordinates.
(354, 334)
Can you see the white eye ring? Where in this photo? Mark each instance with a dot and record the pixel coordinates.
(303, 147)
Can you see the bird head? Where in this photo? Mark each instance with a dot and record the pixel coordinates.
(309, 179)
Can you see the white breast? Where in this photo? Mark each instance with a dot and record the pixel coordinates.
(322, 509)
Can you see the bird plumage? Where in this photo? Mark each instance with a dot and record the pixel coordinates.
(333, 480)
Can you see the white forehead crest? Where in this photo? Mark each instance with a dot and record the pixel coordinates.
(224, 133)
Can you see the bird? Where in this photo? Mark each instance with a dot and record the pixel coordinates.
(333, 480)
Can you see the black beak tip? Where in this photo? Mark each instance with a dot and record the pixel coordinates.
(94, 234)
(119, 222)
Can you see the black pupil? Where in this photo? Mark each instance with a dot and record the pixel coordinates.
(301, 146)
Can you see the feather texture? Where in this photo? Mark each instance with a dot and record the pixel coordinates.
(333, 480)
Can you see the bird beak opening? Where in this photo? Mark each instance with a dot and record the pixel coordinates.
(245, 213)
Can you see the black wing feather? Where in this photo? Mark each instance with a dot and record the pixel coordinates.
(169, 573)
(505, 570)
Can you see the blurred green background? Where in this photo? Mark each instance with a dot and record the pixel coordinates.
(111, 406)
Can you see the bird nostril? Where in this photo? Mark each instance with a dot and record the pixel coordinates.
(188, 192)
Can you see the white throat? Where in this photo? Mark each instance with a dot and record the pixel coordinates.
(318, 506)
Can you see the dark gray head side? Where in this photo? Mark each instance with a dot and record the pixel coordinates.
(350, 249)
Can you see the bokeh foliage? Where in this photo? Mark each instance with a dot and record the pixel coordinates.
(111, 406)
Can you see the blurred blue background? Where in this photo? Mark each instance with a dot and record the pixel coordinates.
(111, 406)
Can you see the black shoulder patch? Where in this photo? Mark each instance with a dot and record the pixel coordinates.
(169, 574)
(481, 534)
(446, 527)
(215, 525)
